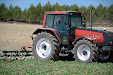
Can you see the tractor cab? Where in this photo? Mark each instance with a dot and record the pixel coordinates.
(71, 19)
(64, 22)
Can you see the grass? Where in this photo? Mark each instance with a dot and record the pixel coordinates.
(37, 67)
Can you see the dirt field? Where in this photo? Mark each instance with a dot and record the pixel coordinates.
(13, 36)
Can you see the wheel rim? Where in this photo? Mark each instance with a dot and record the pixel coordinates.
(43, 47)
(83, 52)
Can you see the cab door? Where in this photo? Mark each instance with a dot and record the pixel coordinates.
(75, 22)
(60, 23)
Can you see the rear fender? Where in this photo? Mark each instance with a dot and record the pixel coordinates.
(54, 32)
(83, 37)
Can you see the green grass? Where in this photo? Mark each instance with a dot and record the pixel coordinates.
(37, 67)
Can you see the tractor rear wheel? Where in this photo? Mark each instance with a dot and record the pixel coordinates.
(85, 51)
(45, 47)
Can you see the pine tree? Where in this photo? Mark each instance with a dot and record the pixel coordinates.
(32, 14)
(73, 7)
(110, 14)
(39, 13)
(11, 9)
(2, 9)
(17, 13)
(6, 14)
(24, 15)
(47, 7)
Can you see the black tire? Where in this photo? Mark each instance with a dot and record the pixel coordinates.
(111, 56)
(110, 59)
(90, 52)
(54, 47)
(104, 56)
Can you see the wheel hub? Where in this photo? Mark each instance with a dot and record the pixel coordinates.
(43, 47)
(83, 52)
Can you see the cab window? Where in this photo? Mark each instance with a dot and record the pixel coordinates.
(60, 22)
(49, 21)
(75, 20)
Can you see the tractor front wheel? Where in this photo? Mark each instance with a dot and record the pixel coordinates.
(84, 51)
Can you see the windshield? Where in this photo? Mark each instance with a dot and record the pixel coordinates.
(75, 20)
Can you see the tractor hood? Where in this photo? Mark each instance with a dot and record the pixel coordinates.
(108, 36)
(95, 30)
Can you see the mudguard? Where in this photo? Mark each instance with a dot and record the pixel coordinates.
(55, 32)
(83, 37)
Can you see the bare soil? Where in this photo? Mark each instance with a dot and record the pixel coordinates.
(15, 35)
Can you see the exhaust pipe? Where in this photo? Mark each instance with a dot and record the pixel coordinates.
(91, 17)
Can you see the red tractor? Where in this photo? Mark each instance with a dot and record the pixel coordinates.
(65, 32)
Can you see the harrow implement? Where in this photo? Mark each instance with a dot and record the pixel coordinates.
(17, 54)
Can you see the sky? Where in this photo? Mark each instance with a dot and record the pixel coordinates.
(26, 3)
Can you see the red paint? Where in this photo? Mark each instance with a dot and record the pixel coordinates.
(23, 48)
(44, 20)
(53, 31)
(92, 34)
(60, 12)
(55, 12)
(29, 47)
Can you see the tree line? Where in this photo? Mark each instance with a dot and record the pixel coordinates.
(35, 14)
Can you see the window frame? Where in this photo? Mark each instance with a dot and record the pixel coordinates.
(60, 14)
(52, 20)
(70, 20)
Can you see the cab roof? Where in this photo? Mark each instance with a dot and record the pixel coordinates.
(59, 12)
